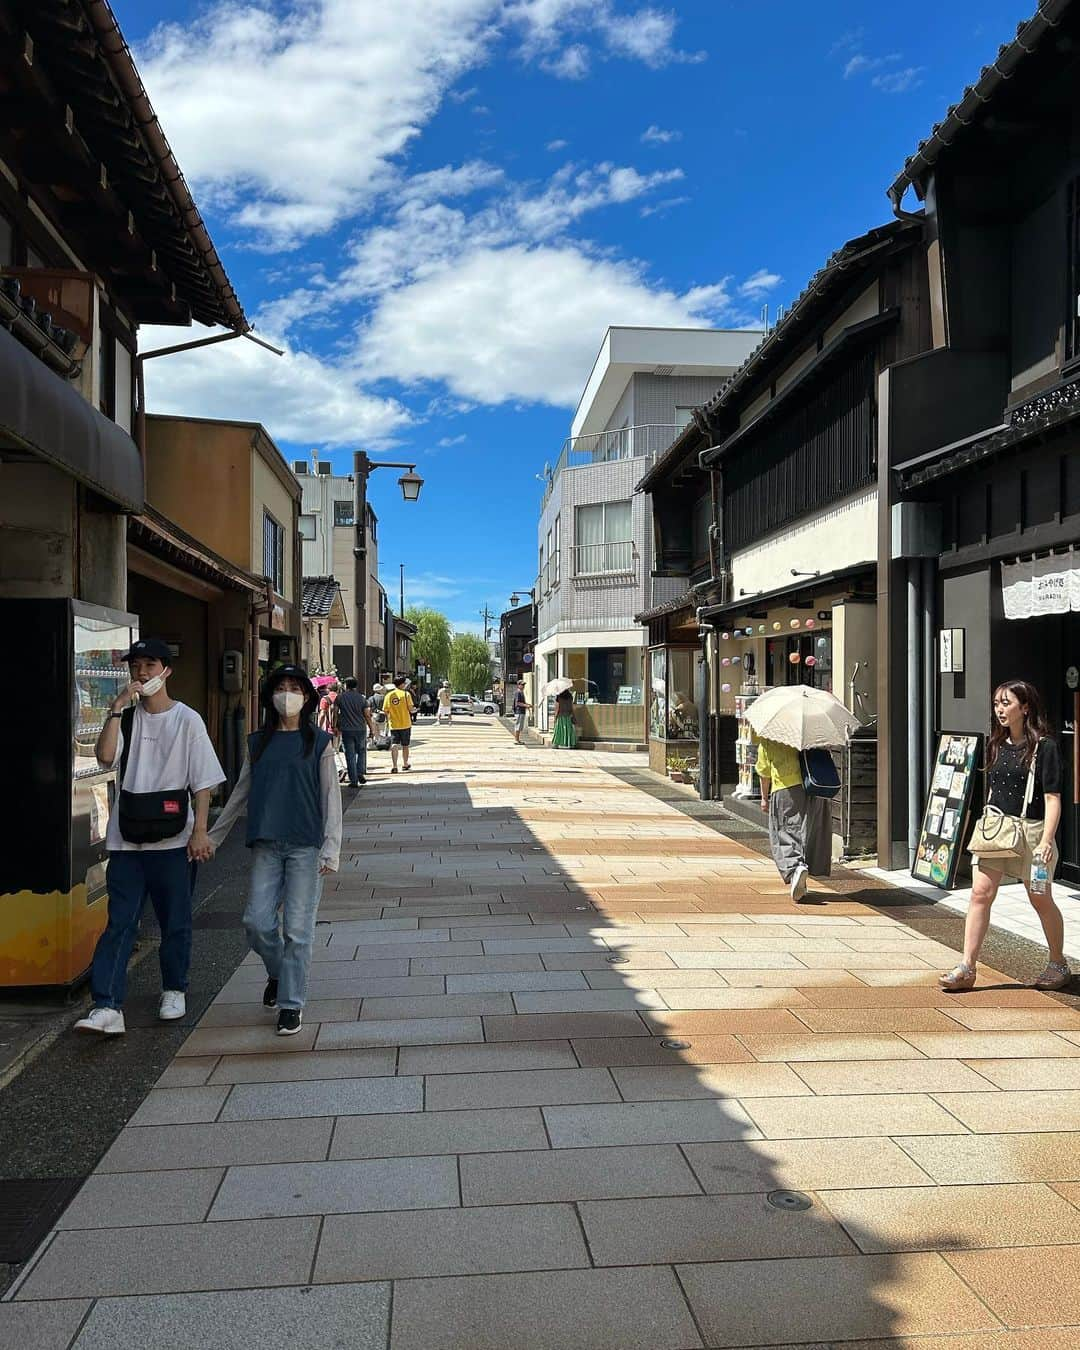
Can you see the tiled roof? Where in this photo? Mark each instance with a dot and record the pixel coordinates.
(319, 595)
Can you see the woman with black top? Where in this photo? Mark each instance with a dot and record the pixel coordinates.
(1020, 735)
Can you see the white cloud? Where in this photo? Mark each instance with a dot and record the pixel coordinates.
(662, 207)
(758, 284)
(297, 397)
(850, 47)
(644, 35)
(899, 81)
(654, 135)
(557, 145)
(447, 441)
(572, 63)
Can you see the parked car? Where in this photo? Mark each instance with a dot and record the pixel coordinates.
(465, 703)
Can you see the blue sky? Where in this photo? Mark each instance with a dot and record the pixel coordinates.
(437, 206)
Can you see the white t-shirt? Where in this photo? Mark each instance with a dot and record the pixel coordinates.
(169, 749)
(444, 698)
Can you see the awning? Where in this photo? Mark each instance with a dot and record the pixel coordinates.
(779, 598)
(42, 414)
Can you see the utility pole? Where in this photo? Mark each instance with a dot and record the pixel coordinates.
(401, 592)
(487, 616)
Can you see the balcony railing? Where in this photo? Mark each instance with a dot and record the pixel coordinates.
(604, 447)
(594, 560)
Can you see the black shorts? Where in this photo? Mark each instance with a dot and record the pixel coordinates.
(401, 737)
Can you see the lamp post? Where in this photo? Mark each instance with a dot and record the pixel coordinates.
(410, 483)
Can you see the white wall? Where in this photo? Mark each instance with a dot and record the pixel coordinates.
(841, 535)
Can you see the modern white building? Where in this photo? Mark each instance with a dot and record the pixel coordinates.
(595, 539)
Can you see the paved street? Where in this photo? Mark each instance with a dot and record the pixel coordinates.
(567, 1055)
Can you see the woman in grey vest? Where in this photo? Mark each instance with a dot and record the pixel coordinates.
(289, 784)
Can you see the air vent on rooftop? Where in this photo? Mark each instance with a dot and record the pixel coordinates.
(663, 370)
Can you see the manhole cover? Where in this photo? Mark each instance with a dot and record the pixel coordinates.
(675, 1045)
(616, 960)
(28, 1209)
(789, 1200)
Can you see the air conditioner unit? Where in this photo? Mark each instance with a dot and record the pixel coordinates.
(326, 469)
(299, 466)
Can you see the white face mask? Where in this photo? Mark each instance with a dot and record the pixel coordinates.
(151, 686)
(287, 704)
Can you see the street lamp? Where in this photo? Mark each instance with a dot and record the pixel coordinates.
(410, 483)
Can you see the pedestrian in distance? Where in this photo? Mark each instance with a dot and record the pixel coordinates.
(800, 832)
(328, 713)
(1023, 779)
(289, 785)
(446, 704)
(398, 707)
(564, 733)
(522, 708)
(356, 725)
(165, 762)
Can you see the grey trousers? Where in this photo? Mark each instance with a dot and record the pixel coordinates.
(800, 834)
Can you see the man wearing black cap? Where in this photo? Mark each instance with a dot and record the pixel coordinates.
(165, 760)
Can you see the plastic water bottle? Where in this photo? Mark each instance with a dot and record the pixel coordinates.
(1039, 877)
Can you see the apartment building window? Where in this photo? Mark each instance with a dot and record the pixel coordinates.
(343, 513)
(1072, 315)
(602, 539)
(274, 552)
(542, 578)
(307, 527)
(557, 556)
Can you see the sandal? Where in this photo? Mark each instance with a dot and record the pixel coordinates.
(959, 980)
(1056, 976)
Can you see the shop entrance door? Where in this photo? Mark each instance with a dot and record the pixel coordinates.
(1051, 661)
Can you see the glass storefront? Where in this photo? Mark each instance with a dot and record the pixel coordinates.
(673, 711)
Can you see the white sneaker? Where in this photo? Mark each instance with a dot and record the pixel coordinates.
(104, 1021)
(798, 884)
(173, 1005)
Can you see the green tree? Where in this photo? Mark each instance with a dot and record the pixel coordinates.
(470, 668)
(431, 645)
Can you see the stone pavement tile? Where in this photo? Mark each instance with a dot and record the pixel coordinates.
(849, 960)
(575, 1174)
(1070, 1191)
(632, 1309)
(928, 998)
(857, 1020)
(450, 1242)
(564, 1026)
(548, 1087)
(1073, 1036)
(685, 1082)
(706, 1228)
(180, 1106)
(704, 998)
(927, 977)
(991, 1044)
(787, 944)
(369, 941)
(174, 1258)
(789, 979)
(324, 1097)
(439, 1005)
(1043, 1338)
(724, 1021)
(613, 978)
(358, 929)
(326, 1318)
(847, 1117)
(495, 982)
(801, 1164)
(946, 1217)
(162, 1147)
(346, 986)
(188, 1072)
(404, 1031)
(274, 1068)
(1025, 1286)
(1016, 1019)
(430, 943)
(1029, 1074)
(523, 945)
(620, 1051)
(979, 1158)
(484, 919)
(435, 1132)
(251, 1040)
(41, 1326)
(826, 1300)
(473, 965)
(598, 960)
(713, 959)
(1012, 1112)
(129, 1199)
(337, 1187)
(255, 1015)
(588, 1000)
(906, 1075)
(488, 933)
(486, 1058)
(648, 1123)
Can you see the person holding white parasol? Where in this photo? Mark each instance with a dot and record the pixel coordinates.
(794, 727)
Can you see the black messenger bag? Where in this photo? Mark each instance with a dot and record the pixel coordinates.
(147, 817)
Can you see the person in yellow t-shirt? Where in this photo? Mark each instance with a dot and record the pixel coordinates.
(800, 833)
(398, 707)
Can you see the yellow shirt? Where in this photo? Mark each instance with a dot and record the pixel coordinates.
(780, 764)
(398, 706)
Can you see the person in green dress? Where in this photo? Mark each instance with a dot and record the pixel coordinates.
(564, 736)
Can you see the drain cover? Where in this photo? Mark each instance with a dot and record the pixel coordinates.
(28, 1209)
(675, 1045)
(789, 1200)
(616, 960)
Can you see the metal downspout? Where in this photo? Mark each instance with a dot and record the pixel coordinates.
(929, 651)
(914, 692)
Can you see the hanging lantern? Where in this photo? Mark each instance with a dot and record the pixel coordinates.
(811, 660)
(822, 644)
(776, 626)
(794, 623)
(794, 658)
(811, 623)
(725, 636)
(725, 661)
(761, 628)
(725, 688)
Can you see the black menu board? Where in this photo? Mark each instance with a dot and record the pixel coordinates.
(948, 806)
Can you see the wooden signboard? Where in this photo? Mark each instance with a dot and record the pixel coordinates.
(948, 809)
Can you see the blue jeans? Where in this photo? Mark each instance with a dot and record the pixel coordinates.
(168, 878)
(285, 881)
(354, 744)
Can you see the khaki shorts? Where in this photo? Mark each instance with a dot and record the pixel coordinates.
(1019, 868)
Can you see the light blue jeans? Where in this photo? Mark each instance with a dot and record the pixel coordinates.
(280, 916)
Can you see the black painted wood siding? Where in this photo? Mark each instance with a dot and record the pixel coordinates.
(821, 451)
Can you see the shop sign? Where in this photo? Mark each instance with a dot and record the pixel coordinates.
(951, 651)
(1034, 587)
(277, 618)
(948, 810)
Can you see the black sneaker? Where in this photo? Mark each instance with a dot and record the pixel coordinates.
(288, 1021)
(360, 780)
(270, 994)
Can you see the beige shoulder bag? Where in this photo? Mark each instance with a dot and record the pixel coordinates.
(998, 835)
